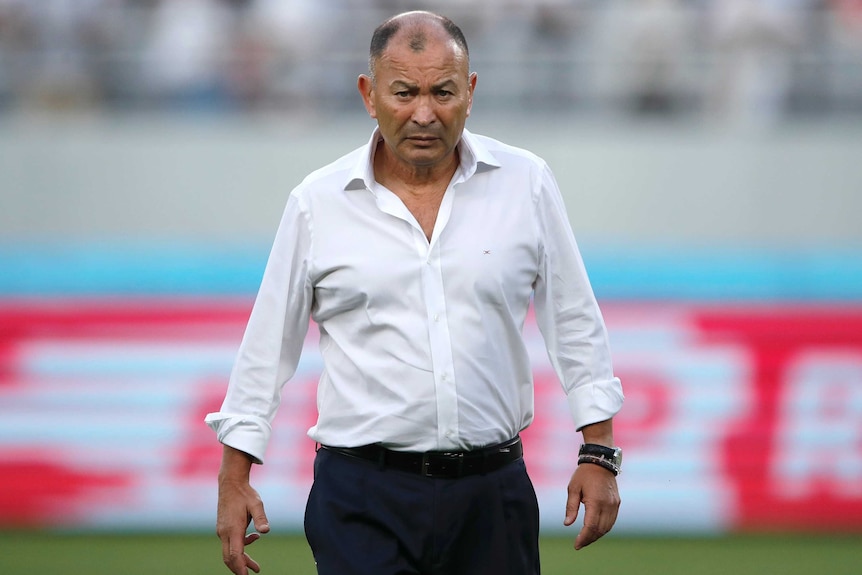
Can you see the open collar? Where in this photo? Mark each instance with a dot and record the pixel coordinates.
(474, 156)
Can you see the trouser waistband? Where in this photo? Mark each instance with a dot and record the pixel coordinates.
(445, 464)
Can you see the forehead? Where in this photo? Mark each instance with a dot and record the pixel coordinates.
(420, 54)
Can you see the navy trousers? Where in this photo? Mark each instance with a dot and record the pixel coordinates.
(364, 520)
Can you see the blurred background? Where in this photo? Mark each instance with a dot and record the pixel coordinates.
(709, 151)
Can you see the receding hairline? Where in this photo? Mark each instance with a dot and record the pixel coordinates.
(420, 27)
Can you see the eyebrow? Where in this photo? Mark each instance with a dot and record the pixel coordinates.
(409, 86)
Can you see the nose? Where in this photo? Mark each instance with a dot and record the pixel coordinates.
(424, 114)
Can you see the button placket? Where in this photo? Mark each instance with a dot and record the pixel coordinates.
(441, 349)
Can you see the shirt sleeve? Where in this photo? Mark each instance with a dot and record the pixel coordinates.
(568, 315)
(273, 339)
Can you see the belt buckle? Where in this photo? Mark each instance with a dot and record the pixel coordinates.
(447, 464)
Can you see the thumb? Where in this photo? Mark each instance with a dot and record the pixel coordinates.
(261, 523)
(572, 506)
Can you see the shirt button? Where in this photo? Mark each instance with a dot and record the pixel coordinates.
(444, 377)
(436, 317)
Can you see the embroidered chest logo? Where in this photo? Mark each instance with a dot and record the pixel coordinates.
(486, 252)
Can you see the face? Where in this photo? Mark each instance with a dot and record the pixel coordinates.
(421, 100)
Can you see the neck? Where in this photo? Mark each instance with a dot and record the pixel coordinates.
(389, 171)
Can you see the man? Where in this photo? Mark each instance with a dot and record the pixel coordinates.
(418, 255)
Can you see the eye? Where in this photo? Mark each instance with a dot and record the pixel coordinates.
(403, 94)
(444, 93)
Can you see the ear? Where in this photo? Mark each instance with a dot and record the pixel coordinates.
(366, 89)
(472, 80)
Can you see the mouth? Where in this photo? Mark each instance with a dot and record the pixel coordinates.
(422, 141)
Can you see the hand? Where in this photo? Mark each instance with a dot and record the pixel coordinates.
(596, 488)
(238, 505)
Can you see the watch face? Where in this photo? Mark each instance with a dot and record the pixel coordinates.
(618, 456)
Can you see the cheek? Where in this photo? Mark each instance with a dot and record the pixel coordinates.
(396, 121)
(388, 114)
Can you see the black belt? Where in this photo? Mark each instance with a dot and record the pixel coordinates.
(448, 464)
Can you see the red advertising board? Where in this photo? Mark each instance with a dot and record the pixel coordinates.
(796, 455)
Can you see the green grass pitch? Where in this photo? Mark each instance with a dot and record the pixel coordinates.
(194, 554)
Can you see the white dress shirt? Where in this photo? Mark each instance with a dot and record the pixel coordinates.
(421, 341)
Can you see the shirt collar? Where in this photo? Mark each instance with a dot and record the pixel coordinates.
(475, 157)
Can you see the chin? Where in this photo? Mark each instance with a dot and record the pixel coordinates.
(424, 162)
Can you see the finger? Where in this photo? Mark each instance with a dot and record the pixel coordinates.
(572, 505)
(611, 518)
(251, 563)
(240, 556)
(592, 528)
(251, 538)
(225, 550)
(258, 516)
(233, 554)
(589, 533)
(247, 561)
(596, 525)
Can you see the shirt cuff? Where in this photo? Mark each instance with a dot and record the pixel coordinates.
(595, 402)
(246, 433)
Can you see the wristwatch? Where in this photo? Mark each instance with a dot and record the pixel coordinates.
(611, 458)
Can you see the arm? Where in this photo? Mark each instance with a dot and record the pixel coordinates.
(238, 505)
(272, 342)
(596, 488)
(575, 334)
(267, 358)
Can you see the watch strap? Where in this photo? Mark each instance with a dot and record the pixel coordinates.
(601, 462)
(608, 457)
(598, 450)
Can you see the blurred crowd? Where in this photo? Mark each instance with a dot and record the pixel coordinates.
(749, 60)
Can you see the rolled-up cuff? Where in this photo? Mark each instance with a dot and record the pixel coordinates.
(246, 433)
(595, 402)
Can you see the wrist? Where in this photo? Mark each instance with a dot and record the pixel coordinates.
(235, 466)
(611, 458)
(599, 433)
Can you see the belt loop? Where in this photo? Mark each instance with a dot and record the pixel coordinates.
(381, 458)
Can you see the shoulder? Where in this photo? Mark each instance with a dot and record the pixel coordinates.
(331, 178)
(508, 155)
(516, 169)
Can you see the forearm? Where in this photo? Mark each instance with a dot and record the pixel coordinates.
(601, 433)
